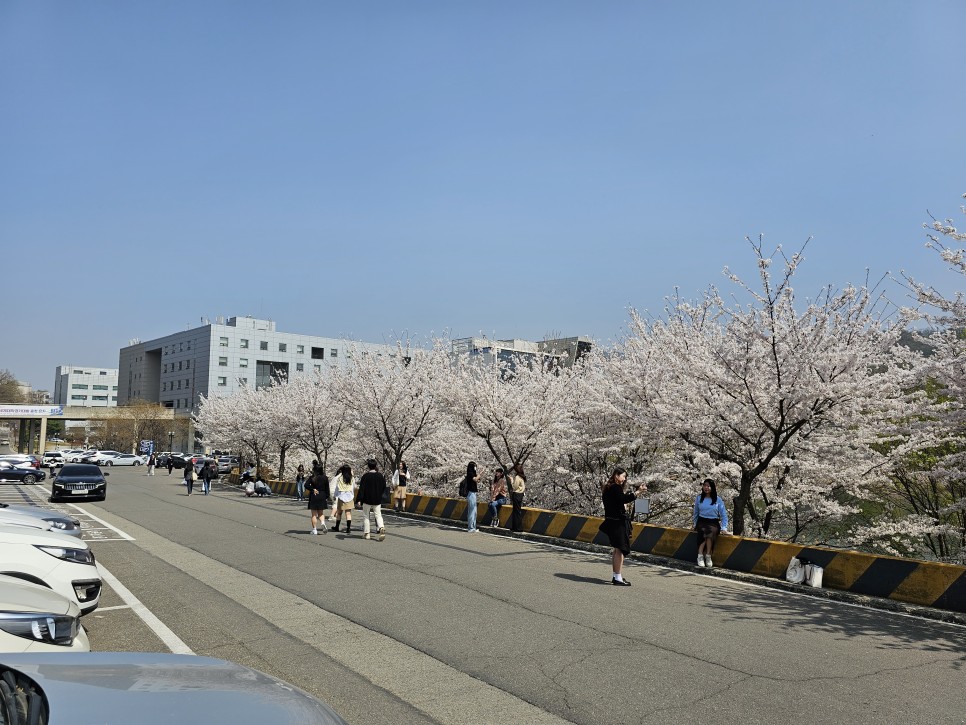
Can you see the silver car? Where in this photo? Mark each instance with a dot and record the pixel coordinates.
(41, 517)
(153, 689)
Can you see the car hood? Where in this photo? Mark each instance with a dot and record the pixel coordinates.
(10, 518)
(10, 534)
(38, 512)
(80, 479)
(156, 689)
(17, 595)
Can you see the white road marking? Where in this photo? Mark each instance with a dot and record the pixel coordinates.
(170, 639)
(116, 530)
(111, 609)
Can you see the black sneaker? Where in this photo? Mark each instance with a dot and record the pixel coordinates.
(621, 583)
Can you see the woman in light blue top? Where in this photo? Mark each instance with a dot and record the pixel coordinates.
(710, 518)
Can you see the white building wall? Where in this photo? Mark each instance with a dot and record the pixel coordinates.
(83, 386)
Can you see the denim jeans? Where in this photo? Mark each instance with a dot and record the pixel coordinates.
(206, 485)
(300, 489)
(495, 509)
(471, 511)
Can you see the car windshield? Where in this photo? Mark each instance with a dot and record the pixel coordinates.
(79, 472)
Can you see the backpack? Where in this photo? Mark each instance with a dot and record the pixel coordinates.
(464, 487)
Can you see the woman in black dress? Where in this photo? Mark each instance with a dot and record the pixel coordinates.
(317, 491)
(617, 522)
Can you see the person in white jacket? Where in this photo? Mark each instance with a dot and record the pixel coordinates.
(343, 489)
(400, 479)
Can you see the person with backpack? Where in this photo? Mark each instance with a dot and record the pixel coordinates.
(469, 489)
(372, 487)
(189, 476)
(710, 518)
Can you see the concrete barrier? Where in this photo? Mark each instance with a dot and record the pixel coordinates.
(907, 580)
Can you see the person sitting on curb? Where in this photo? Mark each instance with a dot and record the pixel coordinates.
(262, 488)
(710, 518)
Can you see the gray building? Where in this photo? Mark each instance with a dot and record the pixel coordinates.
(83, 386)
(558, 352)
(217, 358)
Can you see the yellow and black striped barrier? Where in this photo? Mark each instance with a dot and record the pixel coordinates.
(908, 580)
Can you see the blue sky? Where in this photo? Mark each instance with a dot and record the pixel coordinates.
(512, 168)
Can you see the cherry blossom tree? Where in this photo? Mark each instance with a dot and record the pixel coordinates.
(237, 422)
(318, 416)
(743, 383)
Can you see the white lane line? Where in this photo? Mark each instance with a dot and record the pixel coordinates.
(170, 639)
(102, 521)
(111, 609)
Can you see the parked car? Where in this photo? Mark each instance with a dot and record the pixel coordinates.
(21, 474)
(74, 455)
(34, 618)
(179, 460)
(200, 463)
(58, 563)
(22, 460)
(126, 459)
(99, 458)
(39, 518)
(79, 480)
(53, 459)
(226, 463)
(153, 689)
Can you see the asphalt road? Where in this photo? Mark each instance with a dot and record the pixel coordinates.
(435, 625)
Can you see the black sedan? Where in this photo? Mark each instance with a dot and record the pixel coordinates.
(79, 480)
(20, 474)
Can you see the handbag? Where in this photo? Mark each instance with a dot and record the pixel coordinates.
(194, 475)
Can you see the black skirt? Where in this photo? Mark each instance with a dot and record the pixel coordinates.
(618, 532)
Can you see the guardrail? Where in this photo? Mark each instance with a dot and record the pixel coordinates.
(907, 580)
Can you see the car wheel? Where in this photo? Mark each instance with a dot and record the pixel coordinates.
(137, 463)
(29, 478)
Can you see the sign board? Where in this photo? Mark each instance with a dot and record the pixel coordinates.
(642, 506)
(30, 411)
(146, 447)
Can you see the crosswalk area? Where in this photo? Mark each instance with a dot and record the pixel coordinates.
(92, 527)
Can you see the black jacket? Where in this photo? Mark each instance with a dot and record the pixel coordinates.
(372, 486)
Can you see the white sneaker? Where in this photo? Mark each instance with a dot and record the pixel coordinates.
(366, 536)
(314, 532)
(701, 560)
(324, 529)
(382, 535)
(707, 561)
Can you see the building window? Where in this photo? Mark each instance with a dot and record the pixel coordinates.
(318, 353)
(222, 382)
(333, 352)
(263, 345)
(179, 364)
(114, 387)
(187, 365)
(80, 372)
(100, 397)
(189, 344)
(282, 347)
(243, 362)
(114, 397)
(179, 385)
(103, 372)
(299, 367)
(100, 387)
(318, 368)
(180, 347)
(78, 397)
(78, 386)
(222, 342)
(165, 368)
(177, 403)
(300, 349)
(164, 387)
(243, 344)
(223, 362)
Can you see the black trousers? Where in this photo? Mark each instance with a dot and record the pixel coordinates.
(516, 516)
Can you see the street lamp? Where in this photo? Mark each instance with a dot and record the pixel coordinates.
(170, 439)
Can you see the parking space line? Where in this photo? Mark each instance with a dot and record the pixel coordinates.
(111, 609)
(170, 639)
(116, 530)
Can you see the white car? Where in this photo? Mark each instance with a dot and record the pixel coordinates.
(63, 564)
(74, 455)
(38, 517)
(53, 459)
(22, 460)
(99, 458)
(126, 459)
(35, 619)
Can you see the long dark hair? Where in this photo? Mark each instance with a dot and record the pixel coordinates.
(404, 467)
(498, 473)
(471, 470)
(518, 469)
(612, 481)
(346, 472)
(714, 491)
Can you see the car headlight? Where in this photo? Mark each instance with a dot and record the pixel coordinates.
(60, 524)
(50, 628)
(78, 556)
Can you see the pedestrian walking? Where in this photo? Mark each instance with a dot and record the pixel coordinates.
(344, 494)
(518, 486)
(617, 522)
(208, 471)
(189, 476)
(317, 489)
(497, 496)
(170, 464)
(400, 479)
(469, 488)
(710, 518)
(372, 487)
(300, 481)
(152, 462)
